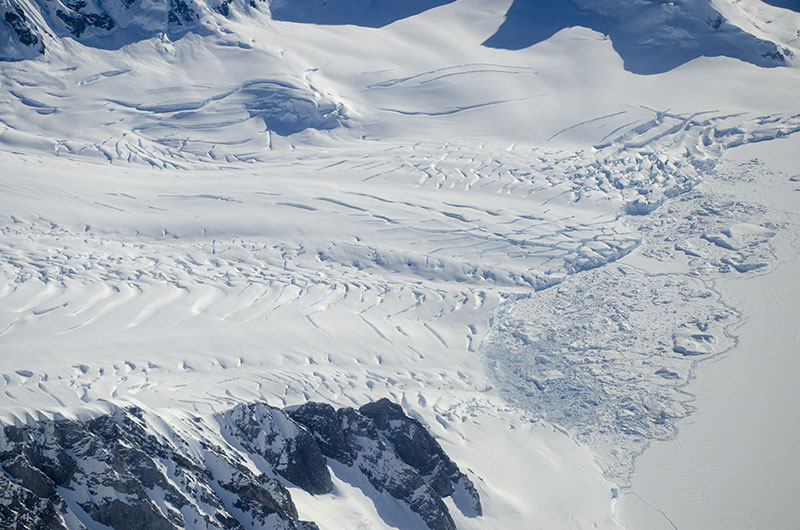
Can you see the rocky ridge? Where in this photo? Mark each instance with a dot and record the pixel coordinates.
(129, 468)
(27, 25)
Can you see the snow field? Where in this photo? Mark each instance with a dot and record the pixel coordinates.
(247, 216)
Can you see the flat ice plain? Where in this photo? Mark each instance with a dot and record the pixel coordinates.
(734, 462)
(556, 263)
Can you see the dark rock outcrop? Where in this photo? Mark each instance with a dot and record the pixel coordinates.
(25, 25)
(415, 445)
(386, 471)
(129, 469)
(22, 508)
(395, 454)
(322, 420)
(286, 446)
(19, 37)
(118, 473)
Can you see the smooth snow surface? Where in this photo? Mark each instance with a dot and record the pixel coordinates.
(529, 246)
(734, 463)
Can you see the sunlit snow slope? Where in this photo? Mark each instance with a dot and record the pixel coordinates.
(210, 203)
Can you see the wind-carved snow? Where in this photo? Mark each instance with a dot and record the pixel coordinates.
(173, 126)
(409, 241)
(385, 256)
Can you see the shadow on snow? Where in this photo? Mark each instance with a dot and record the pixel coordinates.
(651, 37)
(368, 13)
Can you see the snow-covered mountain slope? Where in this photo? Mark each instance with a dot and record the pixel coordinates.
(31, 25)
(650, 37)
(129, 469)
(205, 204)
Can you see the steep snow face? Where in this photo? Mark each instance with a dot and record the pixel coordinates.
(651, 36)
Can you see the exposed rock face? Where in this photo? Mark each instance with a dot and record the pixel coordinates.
(21, 508)
(387, 472)
(322, 420)
(129, 470)
(112, 470)
(287, 447)
(417, 448)
(396, 455)
(19, 38)
(26, 24)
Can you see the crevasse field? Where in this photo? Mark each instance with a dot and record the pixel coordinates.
(562, 235)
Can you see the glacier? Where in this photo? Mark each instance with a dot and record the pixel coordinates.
(525, 223)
